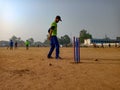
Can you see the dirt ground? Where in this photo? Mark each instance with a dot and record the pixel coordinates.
(31, 70)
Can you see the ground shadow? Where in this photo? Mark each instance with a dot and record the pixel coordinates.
(97, 61)
(101, 59)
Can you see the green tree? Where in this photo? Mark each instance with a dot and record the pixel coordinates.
(64, 40)
(84, 35)
(18, 40)
(46, 42)
(14, 38)
(31, 40)
(117, 38)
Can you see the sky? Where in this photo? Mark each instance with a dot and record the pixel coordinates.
(32, 18)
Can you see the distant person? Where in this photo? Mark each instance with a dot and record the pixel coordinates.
(94, 45)
(102, 45)
(11, 45)
(115, 44)
(27, 44)
(38, 45)
(16, 45)
(109, 45)
(53, 38)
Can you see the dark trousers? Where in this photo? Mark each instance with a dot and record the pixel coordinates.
(27, 47)
(54, 44)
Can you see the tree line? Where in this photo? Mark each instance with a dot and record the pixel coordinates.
(63, 40)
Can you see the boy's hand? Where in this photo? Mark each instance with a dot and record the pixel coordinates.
(49, 37)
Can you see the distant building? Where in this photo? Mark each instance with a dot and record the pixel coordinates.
(90, 42)
(117, 38)
(4, 43)
(38, 44)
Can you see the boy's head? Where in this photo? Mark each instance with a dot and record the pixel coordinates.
(58, 18)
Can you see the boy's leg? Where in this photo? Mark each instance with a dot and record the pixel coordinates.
(57, 51)
(57, 47)
(52, 47)
(27, 47)
(51, 50)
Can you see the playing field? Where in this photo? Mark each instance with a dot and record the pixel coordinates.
(31, 70)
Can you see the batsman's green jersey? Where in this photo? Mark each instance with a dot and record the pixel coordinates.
(54, 33)
(27, 43)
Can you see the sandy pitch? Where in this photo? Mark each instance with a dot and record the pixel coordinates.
(31, 70)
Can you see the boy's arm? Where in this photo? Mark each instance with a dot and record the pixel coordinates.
(51, 30)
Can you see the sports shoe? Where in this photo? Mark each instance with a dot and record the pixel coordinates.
(59, 58)
(49, 57)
